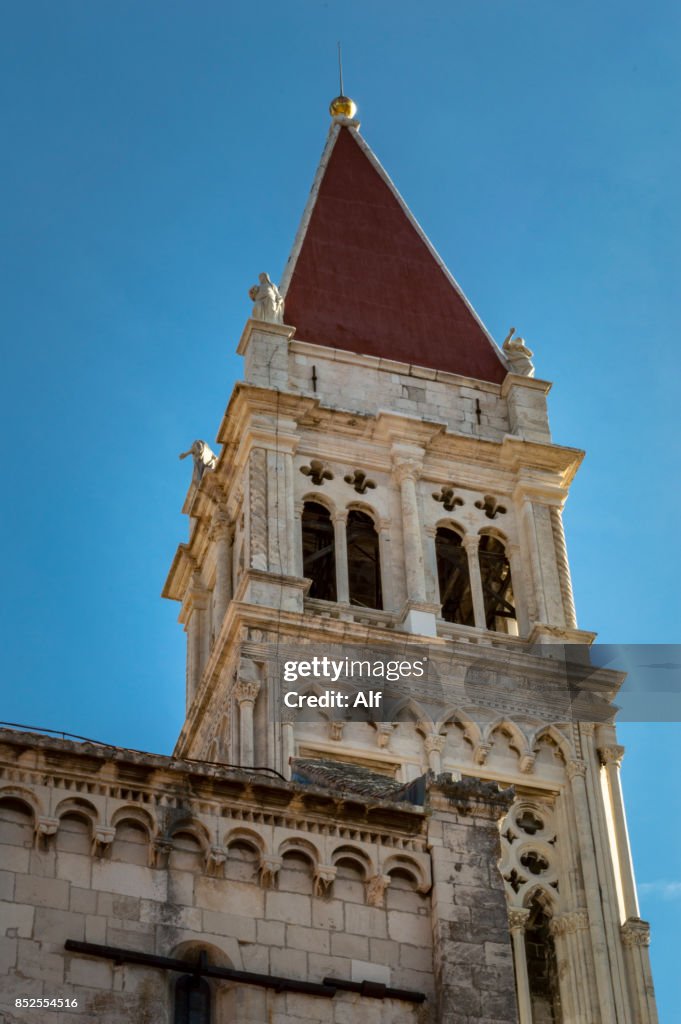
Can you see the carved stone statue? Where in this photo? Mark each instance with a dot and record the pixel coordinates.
(519, 355)
(204, 458)
(268, 303)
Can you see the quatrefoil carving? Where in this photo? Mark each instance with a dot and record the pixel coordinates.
(491, 507)
(359, 480)
(317, 472)
(448, 497)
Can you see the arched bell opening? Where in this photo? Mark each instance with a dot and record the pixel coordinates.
(453, 577)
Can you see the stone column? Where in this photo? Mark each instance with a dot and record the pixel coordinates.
(576, 771)
(537, 580)
(636, 939)
(257, 510)
(197, 636)
(292, 528)
(611, 758)
(471, 542)
(340, 520)
(298, 538)
(287, 746)
(517, 922)
(386, 564)
(220, 534)
(407, 472)
(246, 693)
(434, 745)
(519, 588)
(563, 567)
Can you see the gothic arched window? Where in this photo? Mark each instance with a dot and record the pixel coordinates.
(364, 562)
(192, 1000)
(319, 558)
(497, 586)
(454, 578)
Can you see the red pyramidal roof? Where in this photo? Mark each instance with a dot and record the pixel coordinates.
(363, 277)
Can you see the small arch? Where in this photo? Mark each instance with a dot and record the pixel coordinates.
(497, 584)
(453, 577)
(319, 550)
(196, 999)
(406, 866)
(141, 818)
(346, 854)
(302, 847)
(24, 796)
(518, 739)
(556, 738)
(364, 559)
(77, 807)
(190, 826)
(246, 837)
(17, 820)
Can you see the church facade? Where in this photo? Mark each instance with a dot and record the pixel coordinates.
(386, 494)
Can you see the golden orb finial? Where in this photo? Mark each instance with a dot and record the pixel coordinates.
(342, 106)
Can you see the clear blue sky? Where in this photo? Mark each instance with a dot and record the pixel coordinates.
(158, 154)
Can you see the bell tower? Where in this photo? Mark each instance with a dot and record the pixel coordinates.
(386, 478)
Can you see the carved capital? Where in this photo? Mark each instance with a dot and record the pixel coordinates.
(611, 754)
(567, 924)
(576, 769)
(375, 890)
(635, 932)
(407, 469)
(246, 690)
(471, 542)
(517, 920)
(434, 744)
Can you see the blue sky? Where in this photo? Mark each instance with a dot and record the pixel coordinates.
(158, 156)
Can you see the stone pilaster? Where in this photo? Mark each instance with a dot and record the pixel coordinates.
(636, 939)
(517, 922)
(246, 693)
(221, 536)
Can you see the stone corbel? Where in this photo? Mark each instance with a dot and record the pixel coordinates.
(323, 879)
(215, 861)
(481, 751)
(384, 732)
(102, 840)
(376, 889)
(45, 831)
(159, 852)
(526, 763)
(336, 730)
(268, 871)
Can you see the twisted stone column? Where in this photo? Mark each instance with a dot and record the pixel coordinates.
(563, 568)
(636, 939)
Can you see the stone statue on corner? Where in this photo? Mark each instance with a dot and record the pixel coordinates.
(268, 302)
(204, 458)
(518, 354)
